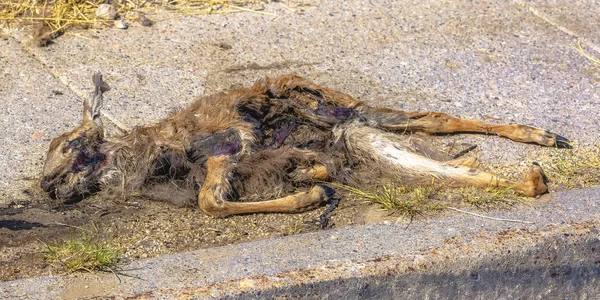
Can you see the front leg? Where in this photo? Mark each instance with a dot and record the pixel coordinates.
(435, 123)
(442, 123)
(216, 189)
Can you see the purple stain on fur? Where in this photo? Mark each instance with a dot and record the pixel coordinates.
(336, 114)
(228, 144)
(324, 111)
(224, 143)
(248, 118)
(79, 163)
(84, 160)
(228, 148)
(283, 132)
(343, 113)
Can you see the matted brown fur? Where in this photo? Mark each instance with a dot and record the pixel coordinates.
(273, 141)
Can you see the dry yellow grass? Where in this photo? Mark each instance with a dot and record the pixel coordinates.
(484, 198)
(565, 168)
(57, 16)
(580, 50)
(573, 168)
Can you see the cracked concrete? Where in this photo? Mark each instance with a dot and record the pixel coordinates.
(578, 19)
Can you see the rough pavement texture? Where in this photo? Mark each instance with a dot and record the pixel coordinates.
(509, 60)
(34, 107)
(461, 256)
(578, 18)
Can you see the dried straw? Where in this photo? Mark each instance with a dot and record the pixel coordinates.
(57, 16)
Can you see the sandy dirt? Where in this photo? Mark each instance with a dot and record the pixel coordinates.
(145, 228)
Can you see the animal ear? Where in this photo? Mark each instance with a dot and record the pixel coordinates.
(92, 105)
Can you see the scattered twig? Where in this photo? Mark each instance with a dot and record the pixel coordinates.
(464, 152)
(252, 10)
(486, 217)
(582, 52)
(72, 226)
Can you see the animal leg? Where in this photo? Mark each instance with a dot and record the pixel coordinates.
(533, 183)
(212, 198)
(316, 172)
(434, 123)
(429, 122)
(386, 153)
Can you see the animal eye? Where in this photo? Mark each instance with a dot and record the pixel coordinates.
(75, 143)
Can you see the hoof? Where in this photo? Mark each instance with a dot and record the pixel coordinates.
(326, 215)
(562, 142)
(535, 182)
(539, 169)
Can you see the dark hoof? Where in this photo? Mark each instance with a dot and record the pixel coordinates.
(544, 177)
(329, 191)
(324, 219)
(562, 142)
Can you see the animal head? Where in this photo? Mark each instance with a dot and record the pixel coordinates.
(74, 160)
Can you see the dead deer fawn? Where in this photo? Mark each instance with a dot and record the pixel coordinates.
(231, 150)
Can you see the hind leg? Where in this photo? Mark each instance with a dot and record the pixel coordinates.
(215, 190)
(385, 152)
(533, 183)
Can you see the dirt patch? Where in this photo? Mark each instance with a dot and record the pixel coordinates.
(145, 228)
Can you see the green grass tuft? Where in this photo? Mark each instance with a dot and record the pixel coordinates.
(85, 252)
(417, 200)
(405, 200)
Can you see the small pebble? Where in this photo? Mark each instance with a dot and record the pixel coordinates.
(121, 24)
(106, 12)
(246, 283)
(144, 21)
